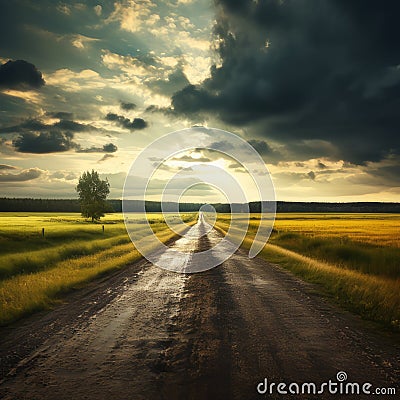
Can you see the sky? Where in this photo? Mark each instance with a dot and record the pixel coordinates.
(313, 86)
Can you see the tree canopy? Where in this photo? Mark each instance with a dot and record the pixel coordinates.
(93, 193)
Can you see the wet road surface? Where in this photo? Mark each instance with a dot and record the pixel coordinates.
(148, 333)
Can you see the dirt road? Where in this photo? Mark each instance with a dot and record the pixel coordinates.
(147, 333)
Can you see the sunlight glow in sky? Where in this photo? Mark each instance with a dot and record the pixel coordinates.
(100, 80)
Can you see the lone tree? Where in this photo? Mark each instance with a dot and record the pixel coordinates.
(92, 193)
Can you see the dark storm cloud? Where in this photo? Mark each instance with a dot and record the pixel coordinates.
(44, 142)
(306, 149)
(11, 108)
(307, 70)
(20, 75)
(44, 35)
(135, 124)
(73, 126)
(107, 148)
(37, 126)
(23, 176)
(110, 148)
(176, 80)
(128, 106)
(386, 174)
(60, 115)
(262, 147)
(268, 154)
(35, 136)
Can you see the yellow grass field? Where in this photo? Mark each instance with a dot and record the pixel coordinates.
(376, 229)
(36, 270)
(353, 257)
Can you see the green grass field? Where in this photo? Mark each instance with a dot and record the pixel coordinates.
(353, 257)
(36, 270)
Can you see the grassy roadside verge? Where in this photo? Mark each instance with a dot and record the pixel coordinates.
(375, 298)
(34, 261)
(24, 294)
(367, 258)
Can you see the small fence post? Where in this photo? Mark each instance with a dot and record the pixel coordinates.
(103, 228)
(42, 232)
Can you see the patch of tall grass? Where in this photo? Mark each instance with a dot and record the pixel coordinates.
(33, 261)
(364, 257)
(25, 294)
(375, 229)
(317, 236)
(372, 291)
(374, 298)
(34, 280)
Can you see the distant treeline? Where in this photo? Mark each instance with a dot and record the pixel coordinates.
(72, 205)
(356, 207)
